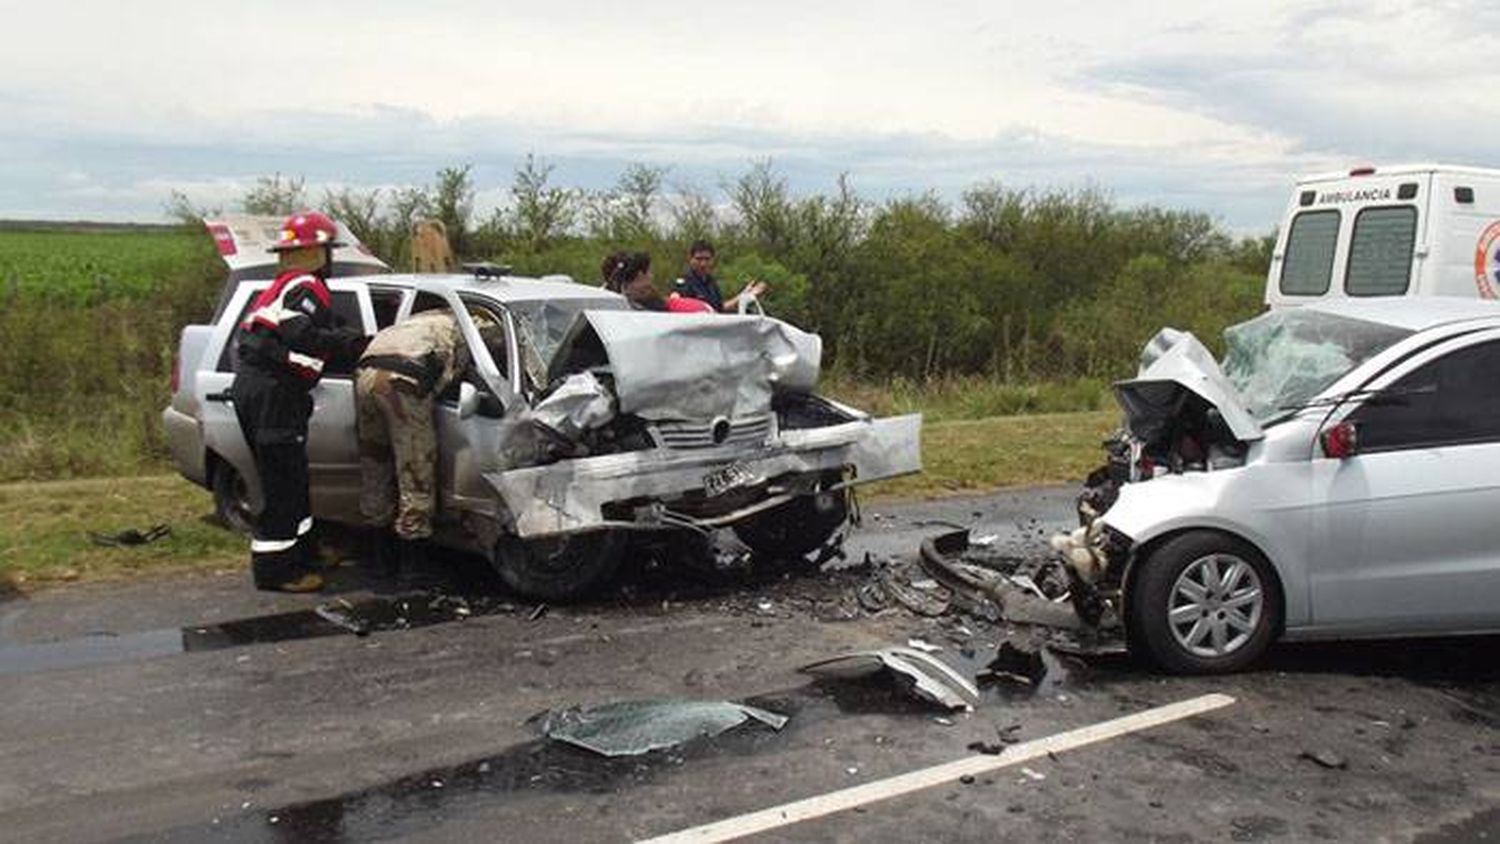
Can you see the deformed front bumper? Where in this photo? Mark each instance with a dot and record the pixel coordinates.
(572, 495)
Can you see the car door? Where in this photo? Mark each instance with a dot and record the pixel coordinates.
(487, 438)
(1407, 530)
(332, 443)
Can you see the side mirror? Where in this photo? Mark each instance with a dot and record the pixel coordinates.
(1340, 441)
(468, 400)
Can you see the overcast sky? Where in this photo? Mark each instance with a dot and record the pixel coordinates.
(106, 107)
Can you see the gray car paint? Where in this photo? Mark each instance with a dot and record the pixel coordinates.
(1400, 542)
(485, 464)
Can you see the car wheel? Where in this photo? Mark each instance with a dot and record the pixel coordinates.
(796, 528)
(232, 499)
(1203, 603)
(558, 568)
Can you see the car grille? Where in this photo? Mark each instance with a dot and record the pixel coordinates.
(754, 430)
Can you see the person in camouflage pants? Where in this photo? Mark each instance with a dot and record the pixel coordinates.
(400, 373)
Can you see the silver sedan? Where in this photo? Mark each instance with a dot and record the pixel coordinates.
(1336, 475)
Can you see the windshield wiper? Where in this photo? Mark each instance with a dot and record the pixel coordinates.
(1379, 394)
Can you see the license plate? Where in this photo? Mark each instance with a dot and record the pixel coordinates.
(733, 476)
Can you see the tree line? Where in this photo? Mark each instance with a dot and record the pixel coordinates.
(1019, 284)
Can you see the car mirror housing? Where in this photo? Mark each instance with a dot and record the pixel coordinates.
(1340, 441)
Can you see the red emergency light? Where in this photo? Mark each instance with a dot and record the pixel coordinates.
(222, 238)
(1363, 170)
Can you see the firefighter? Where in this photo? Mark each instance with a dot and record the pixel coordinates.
(289, 334)
(400, 373)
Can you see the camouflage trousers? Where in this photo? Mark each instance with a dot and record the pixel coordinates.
(397, 453)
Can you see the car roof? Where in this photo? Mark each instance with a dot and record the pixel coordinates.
(508, 288)
(1414, 313)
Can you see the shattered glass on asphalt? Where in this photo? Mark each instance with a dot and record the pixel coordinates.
(628, 728)
(1283, 358)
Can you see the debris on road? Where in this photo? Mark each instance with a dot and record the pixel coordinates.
(131, 536)
(925, 676)
(630, 728)
(923, 645)
(1326, 758)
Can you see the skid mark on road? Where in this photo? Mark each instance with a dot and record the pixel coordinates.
(860, 795)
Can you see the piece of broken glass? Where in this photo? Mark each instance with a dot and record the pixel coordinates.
(629, 728)
(924, 675)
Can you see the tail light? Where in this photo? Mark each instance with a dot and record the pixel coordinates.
(1340, 441)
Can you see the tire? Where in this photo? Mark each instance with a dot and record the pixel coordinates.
(232, 499)
(560, 568)
(1173, 621)
(796, 528)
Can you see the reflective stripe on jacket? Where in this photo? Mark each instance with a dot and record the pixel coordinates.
(295, 303)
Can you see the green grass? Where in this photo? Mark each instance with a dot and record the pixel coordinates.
(44, 526)
(79, 267)
(44, 530)
(970, 456)
(968, 397)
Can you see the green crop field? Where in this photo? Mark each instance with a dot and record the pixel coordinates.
(90, 266)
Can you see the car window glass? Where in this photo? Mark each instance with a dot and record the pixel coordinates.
(228, 360)
(428, 302)
(1380, 251)
(345, 305)
(386, 304)
(1452, 400)
(1308, 265)
(490, 324)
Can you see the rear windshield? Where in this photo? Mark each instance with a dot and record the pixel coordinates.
(1380, 252)
(1308, 265)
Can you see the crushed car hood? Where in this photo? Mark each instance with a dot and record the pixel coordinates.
(685, 366)
(1174, 362)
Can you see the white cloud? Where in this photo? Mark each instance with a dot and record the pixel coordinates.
(1216, 106)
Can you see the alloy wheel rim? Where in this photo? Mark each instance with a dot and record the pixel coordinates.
(1215, 605)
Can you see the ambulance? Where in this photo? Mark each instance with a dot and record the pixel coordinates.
(1404, 230)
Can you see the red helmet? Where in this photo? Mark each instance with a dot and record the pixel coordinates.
(306, 228)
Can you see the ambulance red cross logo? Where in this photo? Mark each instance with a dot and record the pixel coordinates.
(1487, 261)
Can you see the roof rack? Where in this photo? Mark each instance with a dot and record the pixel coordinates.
(486, 269)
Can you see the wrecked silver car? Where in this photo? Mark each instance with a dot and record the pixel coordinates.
(584, 424)
(1334, 476)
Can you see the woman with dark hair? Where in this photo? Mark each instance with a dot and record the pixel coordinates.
(632, 278)
(612, 263)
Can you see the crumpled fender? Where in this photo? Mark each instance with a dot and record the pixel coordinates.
(1148, 510)
(568, 496)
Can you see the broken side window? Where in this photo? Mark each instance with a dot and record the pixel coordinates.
(1308, 264)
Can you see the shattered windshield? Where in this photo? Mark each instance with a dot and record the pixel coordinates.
(1283, 358)
(543, 323)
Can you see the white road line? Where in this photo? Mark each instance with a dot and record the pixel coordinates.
(859, 795)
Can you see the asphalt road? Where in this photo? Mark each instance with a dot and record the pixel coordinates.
(291, 728)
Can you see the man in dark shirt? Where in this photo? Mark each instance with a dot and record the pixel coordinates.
(699, 283)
